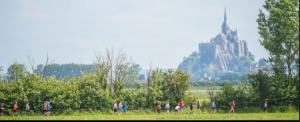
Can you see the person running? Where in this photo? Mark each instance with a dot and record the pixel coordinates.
(158, 107)
(47, 108)
(124, 107)
(213, 106)
(1, 108)
(265, 106)
(120, 106)
(177, 109)
(232, 106)
(167, 106)
(115, 107)
(27, 107)
(191, 107)
(14, 108)
(181, 105)
(199, 105)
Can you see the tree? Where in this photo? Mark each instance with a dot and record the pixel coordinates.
(113, 69)
(167, 86)
(279, 29)
(64, 71)
(260, 83)
(141, 77)
(132, 78)
(16, 71)
(121, 70)
(1, 74)
(226, 94)
(211, 90)
(102, 72)
(154, 93)
(180, 81)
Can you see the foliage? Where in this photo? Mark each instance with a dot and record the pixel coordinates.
(61, 71)
(16, 71)
(89, 92)
(253, 92)
(279, 29)
(167, 86)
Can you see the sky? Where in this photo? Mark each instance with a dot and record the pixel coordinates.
(151, 32)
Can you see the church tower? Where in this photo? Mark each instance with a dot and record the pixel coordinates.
(225, 27)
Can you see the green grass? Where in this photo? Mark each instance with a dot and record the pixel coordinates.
(162, 116)
(202, 91)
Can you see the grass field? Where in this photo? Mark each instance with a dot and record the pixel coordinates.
(162, 116)
(202, 91)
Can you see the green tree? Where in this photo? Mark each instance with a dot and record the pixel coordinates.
(132, 78)
(166, 86)
(16, 71)
(260, 83)
(279, 29)
(179, 85)
(226, 94)
(1, 74)
(154, 93)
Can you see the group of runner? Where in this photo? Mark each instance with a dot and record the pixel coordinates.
(180, 105)
(14, 108)
(178, 108)
(122, 107)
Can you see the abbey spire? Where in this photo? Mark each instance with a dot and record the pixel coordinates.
(225, 27)
(225, 16)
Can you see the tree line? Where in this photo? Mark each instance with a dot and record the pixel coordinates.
(115, 78)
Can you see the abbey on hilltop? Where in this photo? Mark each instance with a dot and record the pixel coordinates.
(224, 57)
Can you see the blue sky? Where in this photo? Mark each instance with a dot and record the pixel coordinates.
(157, 32)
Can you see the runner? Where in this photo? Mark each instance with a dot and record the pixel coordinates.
(158, 107)
(177, 109)
(167, 106)
(124, 107)
(181, 105)
(27, 107)
(1, 108)
(191, 107)
(199, 105)
(213, 106)
(232, 106)
(265, 106)
(115, 106)
(14, 108)
(47, 108)
(120, 107)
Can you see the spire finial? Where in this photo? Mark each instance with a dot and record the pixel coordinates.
(225, 16)
(224, 25)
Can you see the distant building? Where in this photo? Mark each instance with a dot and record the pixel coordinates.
(223, 55)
